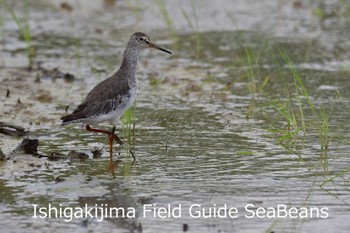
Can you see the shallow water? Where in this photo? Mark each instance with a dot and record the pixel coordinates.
(203, 134)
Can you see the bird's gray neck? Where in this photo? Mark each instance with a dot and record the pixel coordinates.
(129, 64)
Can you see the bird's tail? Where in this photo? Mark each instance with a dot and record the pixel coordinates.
(72, 118)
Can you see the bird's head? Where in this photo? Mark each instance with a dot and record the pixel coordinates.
(141, 40)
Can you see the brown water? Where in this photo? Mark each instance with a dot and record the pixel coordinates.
(204, 137)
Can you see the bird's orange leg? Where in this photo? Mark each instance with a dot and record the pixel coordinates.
(111, 138)
(109, 133)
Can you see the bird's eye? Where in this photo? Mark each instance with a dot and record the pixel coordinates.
(143, 39)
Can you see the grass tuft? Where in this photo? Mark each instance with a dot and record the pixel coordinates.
(25, 31)
(304, 120)
(168, 20)
(194, 26)
(128, 125)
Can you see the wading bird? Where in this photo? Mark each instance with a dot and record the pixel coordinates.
(109, 99)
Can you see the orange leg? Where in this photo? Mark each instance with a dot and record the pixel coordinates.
(111, 164)
(109, 133)
(111, 136)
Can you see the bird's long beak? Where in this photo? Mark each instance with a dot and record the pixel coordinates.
(151, 45)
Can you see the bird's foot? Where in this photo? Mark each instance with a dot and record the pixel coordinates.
(116, 138)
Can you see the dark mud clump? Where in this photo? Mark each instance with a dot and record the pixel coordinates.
(12, 130)
(2, 155)
(55, 156)
(57, 74)
(77, 156)
(28, 146)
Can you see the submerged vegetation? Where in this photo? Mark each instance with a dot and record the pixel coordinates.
(299, 113)
(297, 117)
